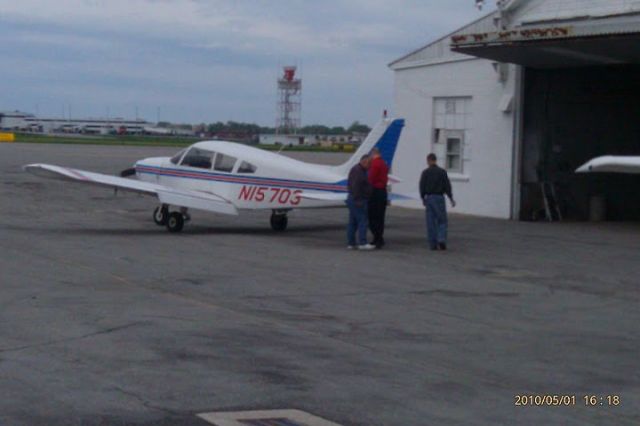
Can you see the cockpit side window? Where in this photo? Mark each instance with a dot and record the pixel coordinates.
(197, 157)
(176, 158)
(247, 168)
(224, 163)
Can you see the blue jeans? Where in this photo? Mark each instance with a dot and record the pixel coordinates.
(436, 220)
(358, 221)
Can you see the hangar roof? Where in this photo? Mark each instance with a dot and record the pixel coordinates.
(439, 51)
(544, 34)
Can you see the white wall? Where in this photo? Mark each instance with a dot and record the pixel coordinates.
(484, 187)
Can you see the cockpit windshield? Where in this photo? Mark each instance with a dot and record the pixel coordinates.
(197, 157)
(176, 158)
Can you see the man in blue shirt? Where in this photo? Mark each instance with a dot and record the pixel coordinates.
(434, 185)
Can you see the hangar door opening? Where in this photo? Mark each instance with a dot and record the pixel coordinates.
(572, 115)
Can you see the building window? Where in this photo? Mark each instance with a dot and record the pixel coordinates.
(451, 124)
(454, 152)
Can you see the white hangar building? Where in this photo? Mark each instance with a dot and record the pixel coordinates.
(514, 102)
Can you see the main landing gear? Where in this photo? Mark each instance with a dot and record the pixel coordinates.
(279, 220)
(174, 221)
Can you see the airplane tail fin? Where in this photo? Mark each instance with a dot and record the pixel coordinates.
(384, 136)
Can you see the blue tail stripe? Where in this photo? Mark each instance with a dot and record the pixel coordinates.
(389, 141)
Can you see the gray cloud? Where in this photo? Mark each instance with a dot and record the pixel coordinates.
(212, 60)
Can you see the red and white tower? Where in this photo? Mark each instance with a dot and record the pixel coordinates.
(289, 102)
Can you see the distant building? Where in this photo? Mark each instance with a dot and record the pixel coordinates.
(311, 140)
(514, 102)
(21, 121)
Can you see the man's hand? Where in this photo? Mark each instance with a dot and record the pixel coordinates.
(453, 203)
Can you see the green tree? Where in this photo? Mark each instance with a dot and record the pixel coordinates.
(358, 127)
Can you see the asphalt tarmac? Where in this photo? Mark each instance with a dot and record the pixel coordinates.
(106, 318)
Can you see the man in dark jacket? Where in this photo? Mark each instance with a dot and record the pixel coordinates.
(378, 178)
(434, 185)
(357, 201)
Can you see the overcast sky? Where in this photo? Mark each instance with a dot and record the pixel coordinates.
(211, 60)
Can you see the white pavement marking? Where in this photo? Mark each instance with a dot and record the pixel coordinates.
(235, 418)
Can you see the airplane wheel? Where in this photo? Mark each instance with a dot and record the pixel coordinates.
(160, 216)
(279, 222)
(175, 222)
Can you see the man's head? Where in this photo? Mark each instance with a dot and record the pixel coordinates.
(375, 153)
(365, 160)
(432, 160)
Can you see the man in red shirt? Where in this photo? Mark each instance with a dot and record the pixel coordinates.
(378, 178)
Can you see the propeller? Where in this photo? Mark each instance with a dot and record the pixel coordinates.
(128, 172)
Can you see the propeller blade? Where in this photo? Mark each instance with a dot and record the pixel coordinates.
(128, 172)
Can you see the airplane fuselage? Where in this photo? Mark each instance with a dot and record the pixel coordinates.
(247, 177)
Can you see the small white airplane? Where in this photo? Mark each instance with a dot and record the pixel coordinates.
(611, 164)
(225, 177)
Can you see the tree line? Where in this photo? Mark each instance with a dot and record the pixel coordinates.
(255, 129)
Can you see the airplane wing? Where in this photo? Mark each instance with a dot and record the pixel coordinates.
(197, 200)
(611, 164)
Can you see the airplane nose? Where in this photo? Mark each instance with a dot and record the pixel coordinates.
(132, 170)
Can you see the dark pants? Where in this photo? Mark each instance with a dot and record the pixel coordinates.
(436, 220)
(377, 212)
(358, 222)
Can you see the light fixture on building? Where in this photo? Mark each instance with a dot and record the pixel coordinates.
(479, 4)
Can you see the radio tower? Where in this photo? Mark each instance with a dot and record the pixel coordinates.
(289, 102)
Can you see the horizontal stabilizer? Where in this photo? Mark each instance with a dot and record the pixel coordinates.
(319, 196)
(325, 196)
(401, 197)
(394, 179)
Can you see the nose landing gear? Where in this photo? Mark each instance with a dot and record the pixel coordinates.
(161, 215)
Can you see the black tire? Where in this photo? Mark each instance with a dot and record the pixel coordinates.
(279, 222)
(160, 216)
(175, 222)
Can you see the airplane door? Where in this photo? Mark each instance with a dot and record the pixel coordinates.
(223, 164)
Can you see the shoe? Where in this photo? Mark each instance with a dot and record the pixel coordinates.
(351, 247)
(442, 246)
(367, 247)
